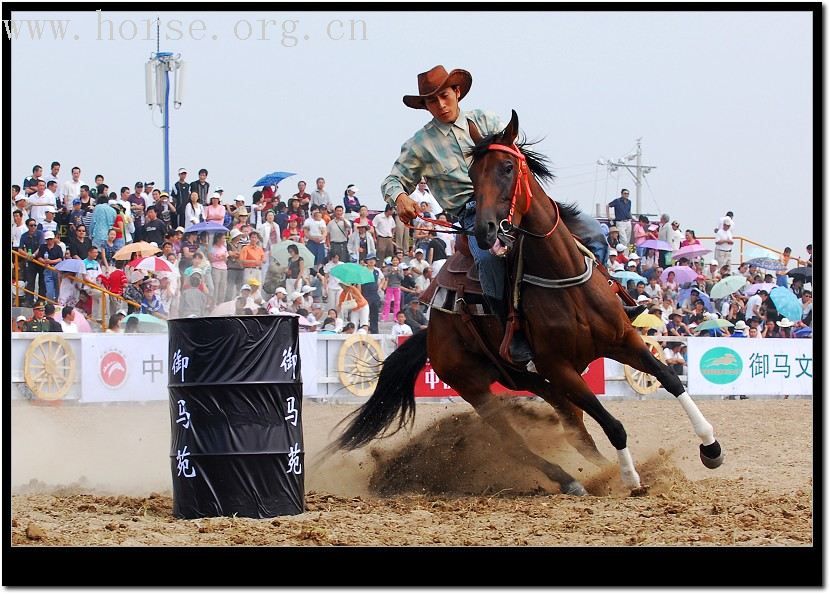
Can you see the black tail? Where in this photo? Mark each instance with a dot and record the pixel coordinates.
(394, 395)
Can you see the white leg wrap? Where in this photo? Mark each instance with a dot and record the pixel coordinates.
(702, 427)
(629, 475)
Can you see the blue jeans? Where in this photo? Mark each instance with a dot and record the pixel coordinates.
(491, 269)
(50, 280)
(590, 233)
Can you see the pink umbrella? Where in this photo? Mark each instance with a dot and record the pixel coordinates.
(690, 251)
(156, 264)
(682, 274)
(752, 289)
(656, 244)
(81, 321)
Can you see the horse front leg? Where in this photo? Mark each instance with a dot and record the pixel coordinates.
(635, 353)
(571, 384)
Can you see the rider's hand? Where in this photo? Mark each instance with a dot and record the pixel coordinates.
(408, 209)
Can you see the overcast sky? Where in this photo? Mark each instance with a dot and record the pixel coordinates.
(723, 101)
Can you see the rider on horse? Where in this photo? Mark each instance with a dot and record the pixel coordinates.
(439, 152)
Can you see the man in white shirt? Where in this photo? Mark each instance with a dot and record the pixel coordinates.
(71, 189)
(39, 201)
(422, 194)
(723, 242)
(18, 227)
(385, 229)
(49, 223)
(333, 288)
(315, 234)
(752, 305)
(675, 235)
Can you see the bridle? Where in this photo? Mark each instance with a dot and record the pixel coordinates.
(506, 226)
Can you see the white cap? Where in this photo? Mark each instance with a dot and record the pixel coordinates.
(122, 312)
(235, 233)
(404, 266)
(154, 244)
(726, 221)
(620, 247)
(643, 298)
(239, 198)
(354, 189)
(295, 295)
(48, 235)
(182, 170)
(21, 318)
(220, 189)
(306, 289)
(50, 208)
(634, 257)
(741, 325)
(617, 266)
(713, 262)
(281, 290)
(245, 286)
(631, 263)
(215, 195)
(419, 250)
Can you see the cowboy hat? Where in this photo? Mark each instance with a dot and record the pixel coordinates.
(435, 80)
(741, 325)
(785, 323)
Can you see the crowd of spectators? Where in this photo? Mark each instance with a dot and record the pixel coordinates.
(275, 254)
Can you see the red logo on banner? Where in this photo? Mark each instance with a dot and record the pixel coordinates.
(428, 384)
(113, 369)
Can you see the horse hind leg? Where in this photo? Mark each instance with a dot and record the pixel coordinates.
(635, 353)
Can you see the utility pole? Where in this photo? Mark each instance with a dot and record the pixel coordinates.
(637, 171)
(157, 92)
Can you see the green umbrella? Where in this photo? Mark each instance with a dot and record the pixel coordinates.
(279, 253)
(732, 283)
(711, 324)
(147, 323)
(352, 274)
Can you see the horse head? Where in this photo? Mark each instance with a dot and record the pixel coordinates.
(494, 174)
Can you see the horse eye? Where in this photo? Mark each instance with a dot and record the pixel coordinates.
(508, 167)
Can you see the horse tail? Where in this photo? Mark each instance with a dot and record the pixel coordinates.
(393, 396)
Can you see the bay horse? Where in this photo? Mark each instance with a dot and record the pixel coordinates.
(571, 316)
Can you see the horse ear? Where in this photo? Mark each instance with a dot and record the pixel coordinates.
(511, 132)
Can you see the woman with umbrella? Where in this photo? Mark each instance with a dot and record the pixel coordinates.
(690, 239)
(218, 256)
(353, 305)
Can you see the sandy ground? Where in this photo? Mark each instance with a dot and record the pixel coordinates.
(100, 475)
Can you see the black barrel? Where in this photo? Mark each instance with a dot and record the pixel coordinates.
(236, 416)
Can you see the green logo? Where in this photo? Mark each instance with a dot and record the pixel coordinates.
(721, 365)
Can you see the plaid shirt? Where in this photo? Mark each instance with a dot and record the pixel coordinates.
(437, 152)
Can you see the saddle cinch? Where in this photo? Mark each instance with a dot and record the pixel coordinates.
(458, 276)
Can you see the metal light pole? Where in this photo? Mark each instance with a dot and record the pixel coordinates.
(157, 93)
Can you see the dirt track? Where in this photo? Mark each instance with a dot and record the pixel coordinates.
(100, 476)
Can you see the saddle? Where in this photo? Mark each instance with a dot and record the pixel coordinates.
(459, 275)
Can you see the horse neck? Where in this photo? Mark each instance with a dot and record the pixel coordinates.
(556, 253)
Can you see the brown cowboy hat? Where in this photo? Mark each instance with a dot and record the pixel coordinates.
(436, 79)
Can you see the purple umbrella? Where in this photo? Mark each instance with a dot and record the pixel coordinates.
(682, 274)
(690, 251)
(656, 244)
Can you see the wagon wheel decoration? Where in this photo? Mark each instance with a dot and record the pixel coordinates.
(640, 381)
(49, 367)
(358, 364)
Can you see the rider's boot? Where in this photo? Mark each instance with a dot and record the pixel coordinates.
(520, 350)
(632, 311)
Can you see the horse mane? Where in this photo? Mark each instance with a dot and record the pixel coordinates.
(538, 163)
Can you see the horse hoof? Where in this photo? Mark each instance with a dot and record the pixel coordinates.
(641, 491)
(711, 455)
(574, 488)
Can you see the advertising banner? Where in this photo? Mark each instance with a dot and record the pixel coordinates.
(736, 366)
(118, 368)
